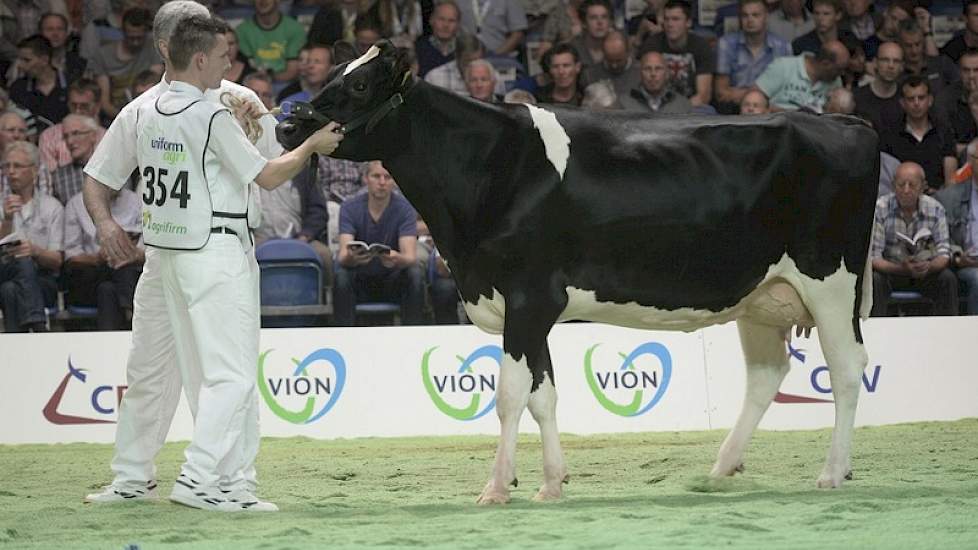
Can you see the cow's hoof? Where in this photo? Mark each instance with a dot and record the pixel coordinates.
(488, 498)
(726, 471)
(739, 469)
(548, 494)
(832, 477)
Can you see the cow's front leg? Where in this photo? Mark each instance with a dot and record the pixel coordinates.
(543, 407)
(512, 395)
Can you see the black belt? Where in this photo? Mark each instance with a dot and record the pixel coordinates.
(225, 230)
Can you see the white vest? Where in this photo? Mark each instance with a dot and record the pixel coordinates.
(180, 177)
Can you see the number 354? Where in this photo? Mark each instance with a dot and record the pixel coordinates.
(155, 181)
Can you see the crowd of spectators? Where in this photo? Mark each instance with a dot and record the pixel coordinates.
(68, 66)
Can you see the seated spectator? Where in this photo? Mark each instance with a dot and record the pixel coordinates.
(618, 66)
(261, 84)
(879, 101)
(952, 103)
(939, 71)
(444, 293)
(13, 128)
(117, 63)
(240, 68)
(601, 96)
(968, 37)
(596, 15)
(338, 181)
(54, 27)
(742, 56)
(855, 74)
(366, 32)
(42, 90)
(315, 61)
(791, 20)
(564, 68)
(144, 81)
(297, 210)
(271, 41)
(754, 103)
(451, 75)
(562, 24)
(83, 99)
(480, 81)
(827, 15)
(104, 29)
(922, 267)
(498, 24)
(384, 217)
(89, 279)
(81, 135)
(438, 48)
(859, 18)
(400, 20)
(804, 81)
(888, 30)
(840, 102)
(520, 96)
(921, 138)
(334, 21)
(960, 204)
(689, 57)
(28, 274)
(655, 95)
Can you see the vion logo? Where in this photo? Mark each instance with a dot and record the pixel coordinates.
(819, 379)
(635, 385)
(465, 392)
(103, 399)
(309, 392)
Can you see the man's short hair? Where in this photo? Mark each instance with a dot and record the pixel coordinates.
(38, 45)
(260, 75)
(170, 15)
(834, 4)
(368, 22)
(825, 54)
(467, 44)
(743, 3)
(586, 4)
(561, 48)
(194, 35)
(969, 52)
(86, 120)
(914, 81)
(600, 95)
(909, 26)
(26, 147)
(86, 85)
(138, 17)
(480, 63)
(967, 4)
(454, 4)
(148, 77)
(61, 16)
(680, 4)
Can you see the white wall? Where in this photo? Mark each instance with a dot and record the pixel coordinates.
(368, 381)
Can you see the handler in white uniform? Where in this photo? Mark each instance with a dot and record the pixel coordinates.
(226, 432)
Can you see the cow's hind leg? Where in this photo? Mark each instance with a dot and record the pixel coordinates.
(543, 407)
(846, 358)
(767, 365)
(512, 395)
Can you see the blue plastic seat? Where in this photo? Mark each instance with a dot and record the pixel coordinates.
(291, 275)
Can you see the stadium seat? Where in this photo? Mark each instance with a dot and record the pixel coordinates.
(291, 283)
(379, 309)
(909, 302)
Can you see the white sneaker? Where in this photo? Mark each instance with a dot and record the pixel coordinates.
(127, 492)
(190, 493)
(248, 502)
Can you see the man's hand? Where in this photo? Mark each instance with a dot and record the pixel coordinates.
(25, 249)
(390, 260)
(918, 270)
(326, 139)
(12, 204)
(923, 18)
(116, 244)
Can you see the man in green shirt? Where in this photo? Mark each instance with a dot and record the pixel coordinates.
(271, 41)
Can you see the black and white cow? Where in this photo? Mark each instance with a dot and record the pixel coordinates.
(547, 214)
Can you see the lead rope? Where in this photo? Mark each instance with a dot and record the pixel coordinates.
(251, 127)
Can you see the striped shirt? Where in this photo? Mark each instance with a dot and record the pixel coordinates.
(889, 221)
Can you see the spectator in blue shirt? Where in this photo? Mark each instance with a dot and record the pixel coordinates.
(384, 218)
(742, 56)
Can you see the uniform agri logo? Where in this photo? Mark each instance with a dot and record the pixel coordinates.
(312, 389)
(819, 379)
(465, 392)
(103, 399)
(635, 385)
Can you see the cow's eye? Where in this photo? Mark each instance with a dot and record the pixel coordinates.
(360, 86)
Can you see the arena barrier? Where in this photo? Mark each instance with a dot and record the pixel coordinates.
(400, 381)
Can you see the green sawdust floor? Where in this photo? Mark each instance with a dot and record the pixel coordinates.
(915, 486)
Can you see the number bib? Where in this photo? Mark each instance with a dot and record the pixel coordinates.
(173, 133)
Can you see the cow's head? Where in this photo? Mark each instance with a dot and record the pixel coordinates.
(358, 95)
